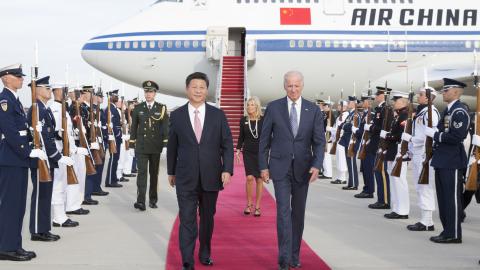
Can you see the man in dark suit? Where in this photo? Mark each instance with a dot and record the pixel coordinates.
(291, 152)
(200, 164)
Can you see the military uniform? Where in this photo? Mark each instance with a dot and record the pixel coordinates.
(345, 140)
(381, 177)
(14, 164)
(366, 165)
(340, 153)
(116, 125)
(400, 200)
(327, 159)
(450, 161)
(97, 184)
(149, 134)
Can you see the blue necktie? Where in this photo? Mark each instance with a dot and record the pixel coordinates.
(293, 119)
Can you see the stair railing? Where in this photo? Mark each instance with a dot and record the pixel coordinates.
(246, 91)
(218, 91)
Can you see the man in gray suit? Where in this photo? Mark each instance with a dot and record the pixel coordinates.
(291, 153)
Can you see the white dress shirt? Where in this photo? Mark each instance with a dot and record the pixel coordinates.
(450, 104)
(201, 114)
(298, 107)
(150, 105)
(13, 92)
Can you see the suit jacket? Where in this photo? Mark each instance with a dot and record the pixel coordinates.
(202, 163)
(278, 147)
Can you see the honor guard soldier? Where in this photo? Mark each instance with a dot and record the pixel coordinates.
(348, 128)
(382, 179)
(149, 134)
(335, 132)
(366, 165)
(326, 107)
(97, 185)
(399, 197)
(59, 193)
(450, 160)
(116, 126)
(41, 202)
(425, 193)
(15, 154)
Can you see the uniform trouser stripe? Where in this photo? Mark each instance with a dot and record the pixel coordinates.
(384, 180)
(456, 204)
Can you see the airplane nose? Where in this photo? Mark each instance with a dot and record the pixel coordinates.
(89, 55)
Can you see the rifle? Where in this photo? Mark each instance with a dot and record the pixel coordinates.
(112, 146)
(124, 126)
(329, 124)
(71, 176)
(99, 132)
(333, 150)
(43, 167)
(397, 169)
(93, 134)
(83, 141)
(382, 145)
(353, 138)
(362, 153)
(472, 180)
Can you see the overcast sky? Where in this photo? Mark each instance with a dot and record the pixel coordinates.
(61, 27)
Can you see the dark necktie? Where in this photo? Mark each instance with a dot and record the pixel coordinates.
(293, 119)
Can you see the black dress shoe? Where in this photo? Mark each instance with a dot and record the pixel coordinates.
(463, 215)
(187, 266)
(349, 188)
(140, 206)
(324, 177)
(116, 185)
(363, 195)
(440, 239)
(394, 215)
(44, 237)
(153, 205)
(89, 202)
(295, 265)
(67, 223)
(23, 252)
(100, 193)
(283, 267)
(379, 205)
(207, 262)
(14, 256)
(129, 175)
(123, 179)
(336, 182)
(419, 227)
(79, 211)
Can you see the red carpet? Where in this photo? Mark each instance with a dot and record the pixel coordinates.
(242, 242)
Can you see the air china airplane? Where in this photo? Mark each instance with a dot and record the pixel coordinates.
(333, 42)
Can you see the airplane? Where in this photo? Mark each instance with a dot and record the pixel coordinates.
(334, 43)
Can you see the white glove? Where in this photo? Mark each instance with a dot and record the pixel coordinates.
(111, 125)
(430, 132)
(471, 160)
(354, 129)
(383, 134)
(66, 160)
(82, 151)
(97, 124)
(366, 126)
(99, 139)
(329, 129)
(111, 138)
(476, 140)
(38, 127)
(126, 137)
(406, 137)
(76, 131)
(94, 146)
(131, 152)
(37, 153)
(333, 130)
(73, 149)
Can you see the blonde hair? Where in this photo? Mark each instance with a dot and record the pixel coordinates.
(258, 107)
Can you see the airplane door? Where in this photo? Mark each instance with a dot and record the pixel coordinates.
(217, 42)
(236, 41)
(397, 46)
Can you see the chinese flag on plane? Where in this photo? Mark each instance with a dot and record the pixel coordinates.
(295, 16)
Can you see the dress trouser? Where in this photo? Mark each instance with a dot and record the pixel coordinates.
(75, 193)
(449, 186)
(327, 162)
(425, 193)
(13, 195)
(383, 184)
(367, 173)
(400, 200)
(97, 184)
(341, 163)
(188, 203)
(147, 163)
(352, 169)
(291, 198)
(41, 204)
(111, 178)
(122, 160)
(59, 194)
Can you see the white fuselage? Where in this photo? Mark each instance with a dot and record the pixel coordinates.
(345, 42)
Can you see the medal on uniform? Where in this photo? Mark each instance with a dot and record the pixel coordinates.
(446, 123)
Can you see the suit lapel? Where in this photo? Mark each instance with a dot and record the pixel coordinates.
(303, 116)
(206, 122)
(186, 119)
(285, 115)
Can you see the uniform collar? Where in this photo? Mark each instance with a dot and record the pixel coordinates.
(15, 94)
(449, 106)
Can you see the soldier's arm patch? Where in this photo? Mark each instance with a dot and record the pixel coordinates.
(4, 104)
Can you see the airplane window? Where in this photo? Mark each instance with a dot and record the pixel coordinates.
(367, 1)
(318, 43)
(393, 1)
(376, 1)
(316, 1)
(186, 44)
(385, 1)
(143, 44)
(178, 44)
(273, 1)
(135, 44)
(256, 1)
(110, 45)
(161, 44)
(152, 44)
(310, 43)
(239, 1)
(282, 1)
(336, 43)
(195, 43)
(169, 44)
(345, 43)
(477, 44)
(247, 1)
(299, 1)
(350, 1)
(118, 45)
(290, 1)
(359, 1)
(265, 1)
(292, 43)
(327, 43)
(204, 44)
(354, 44)
(371, 44)
(127, 45)
(301, 43)
(307, 1)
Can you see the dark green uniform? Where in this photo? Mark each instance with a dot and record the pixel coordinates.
(149, 133)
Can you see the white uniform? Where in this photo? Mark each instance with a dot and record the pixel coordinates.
(59, 193)
(425, 193)
(76, 193)
(327, 161)
(126, 157)
(399, 195)
(340, 157)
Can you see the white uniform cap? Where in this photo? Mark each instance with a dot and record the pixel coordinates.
(423, 89)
